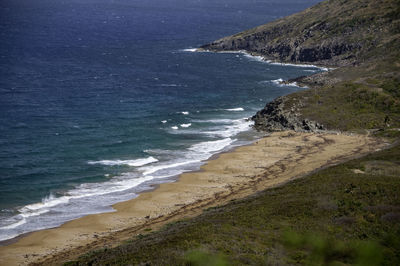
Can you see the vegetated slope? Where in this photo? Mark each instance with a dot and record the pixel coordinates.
(348, 214)
(361, 37)
(365, 97)
(335, 32)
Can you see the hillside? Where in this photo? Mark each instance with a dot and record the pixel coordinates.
(360, 38)
(335, 33)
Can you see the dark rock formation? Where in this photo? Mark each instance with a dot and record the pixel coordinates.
(276, 116)
(331, 33)
(332, 53)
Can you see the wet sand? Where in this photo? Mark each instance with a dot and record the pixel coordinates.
(269, 162)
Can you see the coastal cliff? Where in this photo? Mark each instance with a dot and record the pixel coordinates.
(359, 38)
(331, 33)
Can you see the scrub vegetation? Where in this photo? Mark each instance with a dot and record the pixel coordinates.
(346, 214)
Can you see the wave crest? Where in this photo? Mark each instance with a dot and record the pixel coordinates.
(135, 163)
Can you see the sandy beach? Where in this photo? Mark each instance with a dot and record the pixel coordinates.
(269, 162)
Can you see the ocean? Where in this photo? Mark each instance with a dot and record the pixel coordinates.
(102, 99)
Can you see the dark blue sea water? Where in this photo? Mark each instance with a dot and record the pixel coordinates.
(101, 98)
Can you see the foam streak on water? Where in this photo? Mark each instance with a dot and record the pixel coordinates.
(137, 162)
(239, 109)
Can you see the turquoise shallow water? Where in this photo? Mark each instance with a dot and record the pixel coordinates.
(99, 99)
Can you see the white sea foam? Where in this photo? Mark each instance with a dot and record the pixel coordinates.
(13, 225)
(237, 126)
(254, 57)
(231, 52)
(77, 200)
(8, 236)
(27, 212)
(190, 50)
(186, 125)
(211, 146)
(298, 65)
(163, 152)
(137, 162)
(193, 156)
(198, 152)
(151, 170)
(121, 183)
(47, 202)
(294, 84)
(88, 190)
(277, 81)
(185, 112)
(280, 83)
(235, 109)
(30, 210)
(170, 85)
(216, 121)
(174, 127)
(262, 59)
(164, 121)
(224, 127)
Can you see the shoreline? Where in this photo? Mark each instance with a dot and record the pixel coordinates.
(240, 172)
(260, 58)
(150, 185)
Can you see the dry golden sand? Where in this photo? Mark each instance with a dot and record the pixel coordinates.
(269, 162)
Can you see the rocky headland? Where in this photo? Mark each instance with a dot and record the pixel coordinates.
(331, 33)
(359, 39)
(275, 117)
